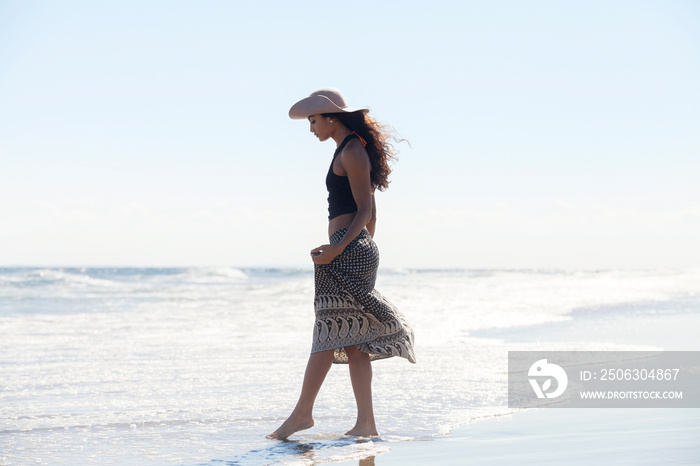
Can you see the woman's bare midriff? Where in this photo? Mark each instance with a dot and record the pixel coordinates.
(340, 222)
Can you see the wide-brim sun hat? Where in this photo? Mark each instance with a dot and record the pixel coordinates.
(327, 100)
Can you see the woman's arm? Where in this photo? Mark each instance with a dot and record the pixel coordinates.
(372, 221)
(355, 161)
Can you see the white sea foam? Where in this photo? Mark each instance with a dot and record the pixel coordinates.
(191, 366)
(207, 274)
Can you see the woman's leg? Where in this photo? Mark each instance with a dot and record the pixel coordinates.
(361, 378)
(300, 419)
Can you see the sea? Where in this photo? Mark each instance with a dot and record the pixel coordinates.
(194, 366)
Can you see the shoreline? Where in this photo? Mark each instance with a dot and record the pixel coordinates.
(631, 436)
(559, 436)
(195, 387)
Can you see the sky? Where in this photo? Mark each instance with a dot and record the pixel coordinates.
(543, 134)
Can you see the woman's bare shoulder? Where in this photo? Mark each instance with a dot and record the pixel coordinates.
(354, 155)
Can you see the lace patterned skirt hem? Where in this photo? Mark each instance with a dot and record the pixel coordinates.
(349, 311)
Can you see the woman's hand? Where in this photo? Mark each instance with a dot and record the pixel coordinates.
(325, 254)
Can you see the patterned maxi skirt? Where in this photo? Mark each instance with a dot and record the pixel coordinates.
(349, 311)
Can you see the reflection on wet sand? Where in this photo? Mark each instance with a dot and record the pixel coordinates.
(310, 451)
(369, 461)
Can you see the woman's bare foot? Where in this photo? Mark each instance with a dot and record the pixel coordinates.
(363, 430)
(292, 424)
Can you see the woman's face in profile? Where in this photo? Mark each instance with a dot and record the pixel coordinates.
(320, 126)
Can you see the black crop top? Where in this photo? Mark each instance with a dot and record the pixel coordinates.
(340, 199)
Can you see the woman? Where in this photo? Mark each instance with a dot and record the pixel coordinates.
(354, 323)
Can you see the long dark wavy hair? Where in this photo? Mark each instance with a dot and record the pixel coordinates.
(379, 149)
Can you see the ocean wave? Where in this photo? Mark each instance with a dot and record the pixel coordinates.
(71, 278)
(215, 274)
